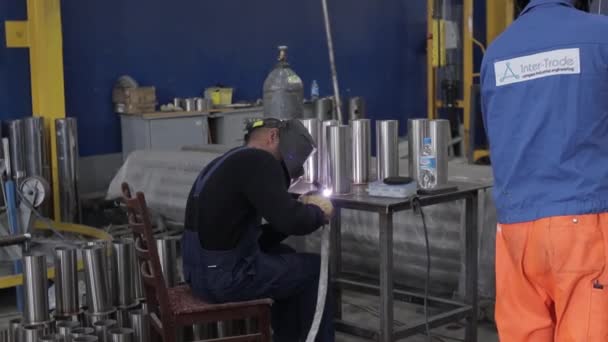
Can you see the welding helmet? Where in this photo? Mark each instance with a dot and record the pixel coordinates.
(295, 142)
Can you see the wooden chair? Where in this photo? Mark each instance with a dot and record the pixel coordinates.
(176, 307)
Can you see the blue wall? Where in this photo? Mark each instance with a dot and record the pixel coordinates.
(182, 46)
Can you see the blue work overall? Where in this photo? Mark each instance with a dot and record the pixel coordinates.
(247, 273)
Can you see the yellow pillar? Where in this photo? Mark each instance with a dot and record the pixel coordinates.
(41, 33)
(499, 15)
(467, 48)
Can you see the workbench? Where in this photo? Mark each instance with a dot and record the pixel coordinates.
(386, 208)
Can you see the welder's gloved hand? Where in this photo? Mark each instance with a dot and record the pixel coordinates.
(322, 202)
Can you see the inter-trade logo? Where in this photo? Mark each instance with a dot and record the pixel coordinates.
(526, 68)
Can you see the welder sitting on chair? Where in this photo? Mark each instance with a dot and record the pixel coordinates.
(230, 256)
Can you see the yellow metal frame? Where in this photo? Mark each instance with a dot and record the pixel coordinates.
(41, 33)
(17, 279)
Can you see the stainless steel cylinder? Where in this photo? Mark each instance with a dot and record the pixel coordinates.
(123, 265)
(91, 319)
(200, 104)
(387, 148)
(140, 323)
(340, 159)
(356, 108)
(64, 329)
(36, 148)
(102, 328)
(31, 333)
(66, 281)
(14, 328)
(85, 338)
(67, 164)
(167, 252)
(96, 277)
(138, 282)
(417, 130)
(362, 150)
(35, 284)
(50, 338)
(177, 102)
(83, 331)
(121, 335)
(439, 131)
(311, 167)
(16, 136)
(324, 109)
(324, 177)
(189, 105)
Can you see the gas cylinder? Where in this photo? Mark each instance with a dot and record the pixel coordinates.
(283, 91)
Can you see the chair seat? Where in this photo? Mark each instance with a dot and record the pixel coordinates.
(182, 302)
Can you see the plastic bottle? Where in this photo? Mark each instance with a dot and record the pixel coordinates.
(428, 165)
(314, 90)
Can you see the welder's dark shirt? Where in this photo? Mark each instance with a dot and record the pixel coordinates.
(246, 187)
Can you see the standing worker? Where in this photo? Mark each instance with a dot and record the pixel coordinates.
(545, 105)
(230, 256)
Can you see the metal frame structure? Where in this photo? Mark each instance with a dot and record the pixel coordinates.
(41, 33)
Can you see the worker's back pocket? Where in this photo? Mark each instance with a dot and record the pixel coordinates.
(576, 245)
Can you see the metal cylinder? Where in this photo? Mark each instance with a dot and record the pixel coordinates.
(167, 253)
(121, 335)
(189, 105)
(417, 129)
(31, 333)
(138, 282)
(64, 329)
(340, 158)
(356, 108)
(85, 338)
(140, 323)
(311, 167)
(35, 283)
(14, 328)
(123, 266)
(324, 109)
(67, 164)
(102, 328)
(50, 338)
(91, 319)
(324, 177)
(439, 131)
(177, 102)
(98, 296)
(387, 148)
(83, 331)
(36, 148)
(362, 150)
(16, 136)
(66, 281)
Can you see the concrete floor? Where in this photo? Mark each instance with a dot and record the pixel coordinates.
(361, 309)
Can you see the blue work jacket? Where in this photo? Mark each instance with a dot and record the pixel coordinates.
(544, 90)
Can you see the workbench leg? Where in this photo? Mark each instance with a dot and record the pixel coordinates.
(336, 260)
(386, 277)
(471, 266)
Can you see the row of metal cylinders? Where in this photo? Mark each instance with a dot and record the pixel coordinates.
(343, 154)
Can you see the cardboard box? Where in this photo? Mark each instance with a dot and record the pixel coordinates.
(128, 96)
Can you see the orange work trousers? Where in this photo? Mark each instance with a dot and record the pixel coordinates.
(552, 281)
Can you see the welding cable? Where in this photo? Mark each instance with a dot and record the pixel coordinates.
(323, 283)
(417, 208)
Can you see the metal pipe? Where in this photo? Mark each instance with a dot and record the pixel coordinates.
(362, 150)
(91, 319)
(121, 335)
(17, 148)
(99, 300)
(35, 283)
(167, 253)
(102, 328)
(64, 329)
(123, 256)
(67, 164)
(140, 323)
(356, 108)
(340, 159)
(85, 338)
(324, 178)
(14, 328)
(83, 331)
(31, 333)
(439, 131)
(324, 109)
(122, 317)
(311, 167)
(417, 129)
(36, 148)
(332, 61)
(66, 281)
(50, 338)
(387, 148)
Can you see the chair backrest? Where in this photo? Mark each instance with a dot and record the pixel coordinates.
(147, 253)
